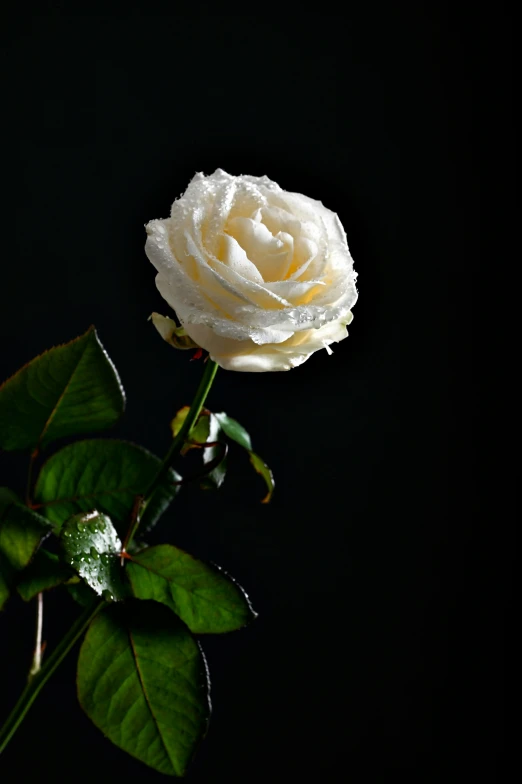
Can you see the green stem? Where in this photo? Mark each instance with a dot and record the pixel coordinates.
(179, 440)
(42, 676)
(37, 656)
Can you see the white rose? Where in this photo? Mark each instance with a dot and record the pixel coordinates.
(259, 277)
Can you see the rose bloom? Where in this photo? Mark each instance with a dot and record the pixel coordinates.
(259, 277)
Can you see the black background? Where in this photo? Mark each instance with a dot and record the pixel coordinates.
(385, 116)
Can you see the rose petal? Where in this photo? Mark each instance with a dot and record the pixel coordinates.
(263, 298)
(305, 252)
(228, 298)
(159, 253)
(296, 292)
(246, 356)
(277, 219)
(308, 209)
(218, 216)
(235, 258)
(271, 255)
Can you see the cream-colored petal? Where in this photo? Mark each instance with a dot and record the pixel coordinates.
(159, 253)
(246, 356)
(304, 254)
(277, 219)
(212, 283)
(242, 356)
(264, 299)
(297, 292)
(271, 255)
(307, 209)
(205, 314)
(218, 216)
(236, 259)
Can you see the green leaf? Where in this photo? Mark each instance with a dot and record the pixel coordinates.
(101, 474)
(45, 572)
(21, 530)
(199, 433)
(216, 477)
(7, 497)
(237, 433)
(234, 430)
(205, 430)
(142, 680)
(7, 575)
(262, 468)
(81, 593)
(70, 389)
(92, 547)
(203, 596)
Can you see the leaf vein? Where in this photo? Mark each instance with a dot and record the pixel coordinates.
(147, 700)
(63, 393)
